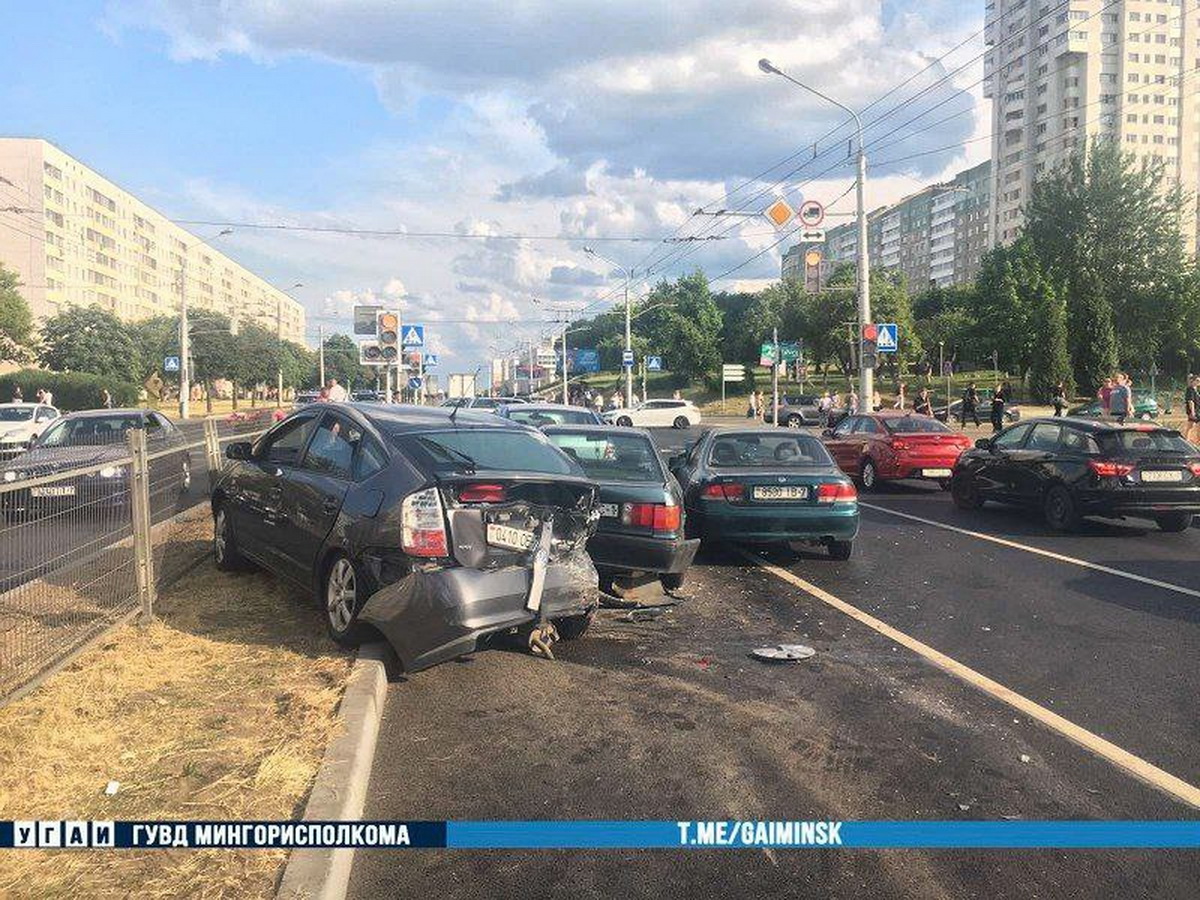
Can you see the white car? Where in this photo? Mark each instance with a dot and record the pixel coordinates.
(20, 423)
(656, 413)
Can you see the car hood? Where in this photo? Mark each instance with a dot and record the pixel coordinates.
(48, 460)
(22, 430)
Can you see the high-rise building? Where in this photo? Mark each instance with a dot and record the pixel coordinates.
(75, 238)
(1061, 74)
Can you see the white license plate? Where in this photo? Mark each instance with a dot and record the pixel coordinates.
(774, 492)
(65, 490)
(937, 473)
(1162, 476)
(510, 538)
(609, 511)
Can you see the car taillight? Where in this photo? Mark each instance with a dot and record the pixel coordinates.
(1195, 467)
(1106, 469)
(422, 527)
(839, 492)
(898, 444)
(481, 493)
(731, 491)
(655, 516)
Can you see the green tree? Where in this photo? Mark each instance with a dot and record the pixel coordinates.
(687, 329)
(1093, 342)
(16, 322)
(341, 362)
(213, 350)
(154, 339)
(88, 339)
(890, 303)
(1008, 279)
(255, 360)
(1050, 364)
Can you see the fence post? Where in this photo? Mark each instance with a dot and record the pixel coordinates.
(212, 446)
(143, 548)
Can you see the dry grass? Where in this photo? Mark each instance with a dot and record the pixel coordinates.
(221, 710)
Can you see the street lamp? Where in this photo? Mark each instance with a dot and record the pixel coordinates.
(185, 381)
(628, 273)
(866, 374)
(279, 339)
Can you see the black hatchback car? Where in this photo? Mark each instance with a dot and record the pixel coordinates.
(641, 522)
(436, 527)
(1070, 468)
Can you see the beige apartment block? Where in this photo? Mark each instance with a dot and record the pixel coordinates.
(1063, 73)
(75, 238)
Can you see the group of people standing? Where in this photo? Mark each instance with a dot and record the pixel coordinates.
(1001, 397)
(1116, 396)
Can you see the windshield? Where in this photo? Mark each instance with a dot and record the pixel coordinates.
(915, 425)
(768, 451)
(87, 431)
(16, 414)
(540, 417)
(492, 449)
(1142, 442)
(612, 457)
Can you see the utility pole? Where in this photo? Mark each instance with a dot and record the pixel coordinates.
(775, 376)
(565, 396)
(185, 381)
(279, 350)
(321, 355)
(628, 274)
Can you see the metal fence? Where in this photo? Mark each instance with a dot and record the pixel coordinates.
(91, 533)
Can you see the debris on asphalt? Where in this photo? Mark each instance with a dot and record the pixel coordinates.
(644, 613)
(112, 787)
(1025, 758)
(964, 806)
(783, 653)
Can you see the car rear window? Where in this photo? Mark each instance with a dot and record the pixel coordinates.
(88, 430)
(539, 417)
(1133, 441)
(495, 449)
(737, 451)
(612, 457)
(915, 425)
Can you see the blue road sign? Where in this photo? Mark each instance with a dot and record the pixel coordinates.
(431, 360)
(627, 358)
(584, 360)
(170, 363)
(653, 363)
(414, 383)
(887, 339)
(413, 336)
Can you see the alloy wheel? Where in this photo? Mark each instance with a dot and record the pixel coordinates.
(340, 594)
(219, 536)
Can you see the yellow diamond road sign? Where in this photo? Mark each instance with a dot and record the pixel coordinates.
(780, 213)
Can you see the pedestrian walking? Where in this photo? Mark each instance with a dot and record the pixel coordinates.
(1191, 403)
(614, 402)
(1121, 399)
(999, 398)
(106, 399)
(923, 406)
(970, 405)
(598, 402)
(752, 409)
(1105, 396)
(852, 403)
(824, 405)
(900, 400)
(17, 396)
(337, 393)
(1059, 399)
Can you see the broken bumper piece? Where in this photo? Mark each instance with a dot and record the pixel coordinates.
(435, 615)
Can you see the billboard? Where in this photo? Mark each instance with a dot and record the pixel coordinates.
(584, 360)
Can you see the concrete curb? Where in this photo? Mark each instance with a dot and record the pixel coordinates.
(340, 790)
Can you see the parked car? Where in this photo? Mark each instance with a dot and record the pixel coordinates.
(437, 532)
(766, 486)
(1011, 413)
(641, 523)
(368, 396)
(486, 404)
(893, 445)
(656, 413)
(794, 412)
(1145, 408)
(20, 423)
(539, 415)
(1069, 468)
(95, 442)
(303, 398)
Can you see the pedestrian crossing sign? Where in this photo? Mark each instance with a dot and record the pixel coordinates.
(414, 336)
(886, 340)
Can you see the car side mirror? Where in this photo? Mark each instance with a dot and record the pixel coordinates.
(983, 444)
(239, 450)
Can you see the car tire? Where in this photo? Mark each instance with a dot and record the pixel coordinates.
(672, 581)
(341, 601)
(1174, 522)
(681, 422)
(225, 550)
(571, 628)
(794, 422)
(869, 476)
(1145, 417)
(1058, 508)
(625, 422)
(841, 550)
(965, 492)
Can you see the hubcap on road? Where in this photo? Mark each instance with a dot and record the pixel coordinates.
(339, 595)
(219, 536)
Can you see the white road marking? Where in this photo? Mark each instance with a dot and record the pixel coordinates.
(1122, 759)
(1038, 551)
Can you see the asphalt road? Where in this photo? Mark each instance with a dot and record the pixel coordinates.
(669, 719)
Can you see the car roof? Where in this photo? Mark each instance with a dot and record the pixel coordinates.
(553, 407)
(596, 429)
(1095, 425)
(759, 432)
(105, 413)
(26, 405)
(399, 418)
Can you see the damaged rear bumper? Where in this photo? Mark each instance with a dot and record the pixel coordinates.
(434, 615)
(615, 552)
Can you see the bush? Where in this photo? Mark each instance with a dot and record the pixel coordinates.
(72, 390)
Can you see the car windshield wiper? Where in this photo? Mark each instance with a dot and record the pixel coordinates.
(470, 461)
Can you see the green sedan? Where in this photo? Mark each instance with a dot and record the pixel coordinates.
(1145, 407)
(761, 486)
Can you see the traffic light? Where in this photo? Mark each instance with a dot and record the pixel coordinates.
(388, 333)
(870, 347)
(370, 354)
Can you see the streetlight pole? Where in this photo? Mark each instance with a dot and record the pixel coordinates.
(628, 273)
(866, 374)
(321, 357)
(185, 343)
(279, 341)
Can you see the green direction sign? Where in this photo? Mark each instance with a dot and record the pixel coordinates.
(789, 351)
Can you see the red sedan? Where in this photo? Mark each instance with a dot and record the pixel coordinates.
(887, 446)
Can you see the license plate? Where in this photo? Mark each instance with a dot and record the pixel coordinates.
(774, 492)
(937, 473)
(1162, 476)
(66, 490)
(510, 538)
(609, 511)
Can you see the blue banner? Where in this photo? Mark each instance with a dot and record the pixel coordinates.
(584, 360)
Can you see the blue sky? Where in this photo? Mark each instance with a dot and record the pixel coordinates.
(466, 115)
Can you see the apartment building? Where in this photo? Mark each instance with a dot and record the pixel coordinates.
(76, 238)
(1063, 73)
